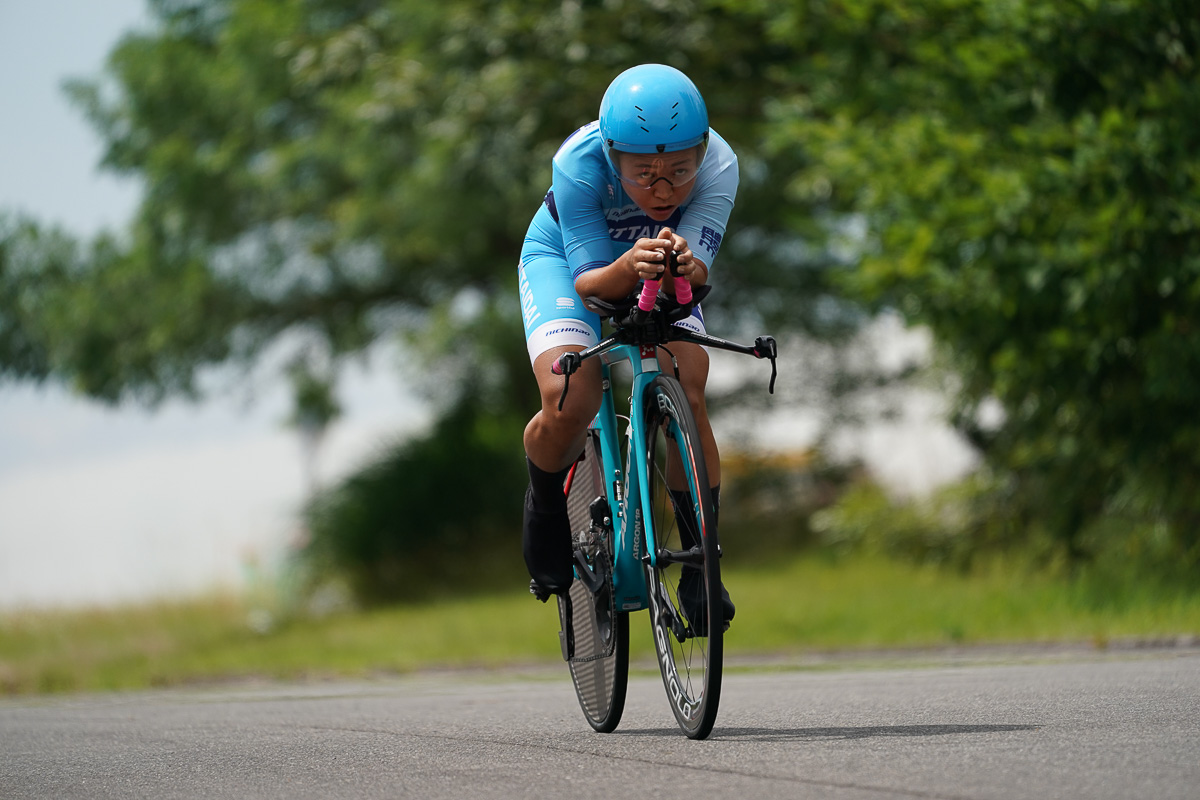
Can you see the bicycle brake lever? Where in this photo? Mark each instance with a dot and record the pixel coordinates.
(764, 347)
(566, 365)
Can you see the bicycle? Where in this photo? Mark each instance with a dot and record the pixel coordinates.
(654, 546)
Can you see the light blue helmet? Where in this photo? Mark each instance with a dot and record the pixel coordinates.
(653, 108)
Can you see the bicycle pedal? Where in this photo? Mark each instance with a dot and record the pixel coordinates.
(539, 591)
(566, 634)
(604, 629)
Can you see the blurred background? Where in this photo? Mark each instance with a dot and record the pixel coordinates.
(259, 326)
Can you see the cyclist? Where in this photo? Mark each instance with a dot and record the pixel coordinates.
(647, 177)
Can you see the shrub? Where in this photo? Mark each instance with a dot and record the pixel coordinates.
(434, 515)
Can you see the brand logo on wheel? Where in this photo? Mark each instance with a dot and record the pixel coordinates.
(687, 709)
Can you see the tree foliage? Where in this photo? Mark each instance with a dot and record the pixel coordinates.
(1027, 173)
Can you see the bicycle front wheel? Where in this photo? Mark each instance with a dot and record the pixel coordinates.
(684, 582)
(599, 660)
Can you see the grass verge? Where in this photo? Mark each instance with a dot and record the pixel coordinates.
(798, 604)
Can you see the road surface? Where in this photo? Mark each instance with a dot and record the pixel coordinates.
(1083, 725)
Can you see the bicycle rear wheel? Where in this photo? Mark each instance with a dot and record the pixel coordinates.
(599, 662)
(687, 629)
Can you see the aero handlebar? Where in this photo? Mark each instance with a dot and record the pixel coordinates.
(683, 287)
(641, 326)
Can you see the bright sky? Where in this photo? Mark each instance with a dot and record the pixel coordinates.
(48, 154)
(97, 504)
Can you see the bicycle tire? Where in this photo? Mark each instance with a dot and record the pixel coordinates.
(599, 664)
(689, 650)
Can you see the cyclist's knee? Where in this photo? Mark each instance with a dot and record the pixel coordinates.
(577, 411)
(581, 402)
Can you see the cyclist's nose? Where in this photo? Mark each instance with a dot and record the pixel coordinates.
(663, 189)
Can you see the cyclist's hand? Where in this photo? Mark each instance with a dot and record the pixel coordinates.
(686, 263)
(687, 266)
(647, 257)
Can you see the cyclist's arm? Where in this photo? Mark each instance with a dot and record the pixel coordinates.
(641, 262)
(588, 246)
(703, 224)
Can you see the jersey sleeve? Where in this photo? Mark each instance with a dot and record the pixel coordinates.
(703, 223)
(585, 234)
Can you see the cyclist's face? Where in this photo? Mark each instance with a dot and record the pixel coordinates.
(659, 182)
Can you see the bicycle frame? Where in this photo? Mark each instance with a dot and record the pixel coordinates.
(632, 517)
(633, 529)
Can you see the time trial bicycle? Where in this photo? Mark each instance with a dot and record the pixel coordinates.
(644, 524)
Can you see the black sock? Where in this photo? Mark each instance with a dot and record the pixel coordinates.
(687, 524)
(547, 487)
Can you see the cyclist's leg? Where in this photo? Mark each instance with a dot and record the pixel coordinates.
(555, 322)
(554, 438)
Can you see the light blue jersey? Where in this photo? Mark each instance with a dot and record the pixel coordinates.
(587, 221)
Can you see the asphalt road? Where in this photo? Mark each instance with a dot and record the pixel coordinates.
(1041, 725)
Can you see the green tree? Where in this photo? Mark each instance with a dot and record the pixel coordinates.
(1027, 177)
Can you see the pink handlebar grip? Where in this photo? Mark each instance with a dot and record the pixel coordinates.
(683, 290)
(649, 295)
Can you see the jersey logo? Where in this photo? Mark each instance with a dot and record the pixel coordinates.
(710, 239)
(639, 226)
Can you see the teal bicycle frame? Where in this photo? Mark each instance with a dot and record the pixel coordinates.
(629, 503)
(625, 495)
